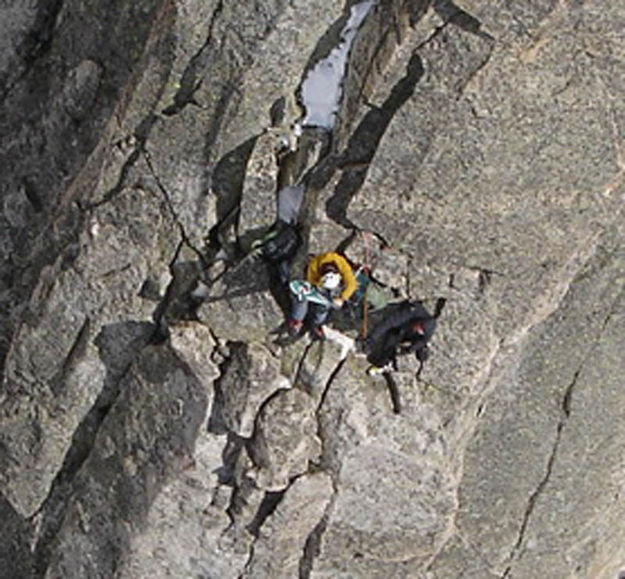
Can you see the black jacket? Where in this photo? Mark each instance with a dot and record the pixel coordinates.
(395, 334)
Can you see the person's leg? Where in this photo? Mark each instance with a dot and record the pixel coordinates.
(299, 309)
(383, 351)
(318, 314)
(381, 356)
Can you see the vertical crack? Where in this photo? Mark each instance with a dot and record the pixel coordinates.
(166, 197)
(312, 547)
(128, 340)
(564, 416)
(326, 389)
(189, 83)
(365, 139)
(529, 509)
(465, 82)
(266, 508)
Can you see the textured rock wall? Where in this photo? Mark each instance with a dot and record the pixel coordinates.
(150, 423)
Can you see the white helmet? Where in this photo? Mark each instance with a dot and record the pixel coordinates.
(330, 280)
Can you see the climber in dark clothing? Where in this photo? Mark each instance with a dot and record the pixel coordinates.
(281, 243)
(279, 248)
(407, 330)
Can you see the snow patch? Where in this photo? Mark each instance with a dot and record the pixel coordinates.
(321, 89)
(347, 344)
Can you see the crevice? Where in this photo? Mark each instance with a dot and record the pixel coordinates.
(119, 345)
(141, 135)
(531, 503)
(300, 364)
(259, 413)
(394, 391)
(312, 547)
(170, 294)
(189, 83)
(248, 563)
(453, 14)
(266, 508)
(326, 389)
(565, 415)
(465, 82)
(364, 142)
(227, 473)
(227, 183)
(216, 421)
(166, 196)
(33, 196)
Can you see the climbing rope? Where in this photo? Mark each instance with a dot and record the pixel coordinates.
(367, 268)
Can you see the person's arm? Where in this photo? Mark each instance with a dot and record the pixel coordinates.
(312, 272)
(414, 346)
(349, 279)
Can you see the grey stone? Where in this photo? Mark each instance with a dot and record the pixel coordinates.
(286, 530)
(259, 204)
(285, 440)
(194, 343)
(243, 288)
(56, 367)
(251, 376)
(316, 368)
(15, 553)
(146, 441)
(526, 437)
(367, 524)
(186, 525)
(81, 88)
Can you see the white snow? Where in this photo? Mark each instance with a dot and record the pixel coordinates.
(347, 344)
(321, 89)
(201, 291)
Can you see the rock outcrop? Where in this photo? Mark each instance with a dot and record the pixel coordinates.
(153, 420)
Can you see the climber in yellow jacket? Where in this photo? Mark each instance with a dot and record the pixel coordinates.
(334, 279)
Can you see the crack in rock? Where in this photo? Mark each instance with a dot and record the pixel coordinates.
(140, 136)
(170, 204)
(189, 83)
(452, 14)
(49, 517)
(365, 139)
(466, 82)
(312, 547)
(564, 416)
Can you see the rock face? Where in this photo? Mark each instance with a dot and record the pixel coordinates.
(154, 423)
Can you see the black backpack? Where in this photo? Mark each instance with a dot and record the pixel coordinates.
(281, 243)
